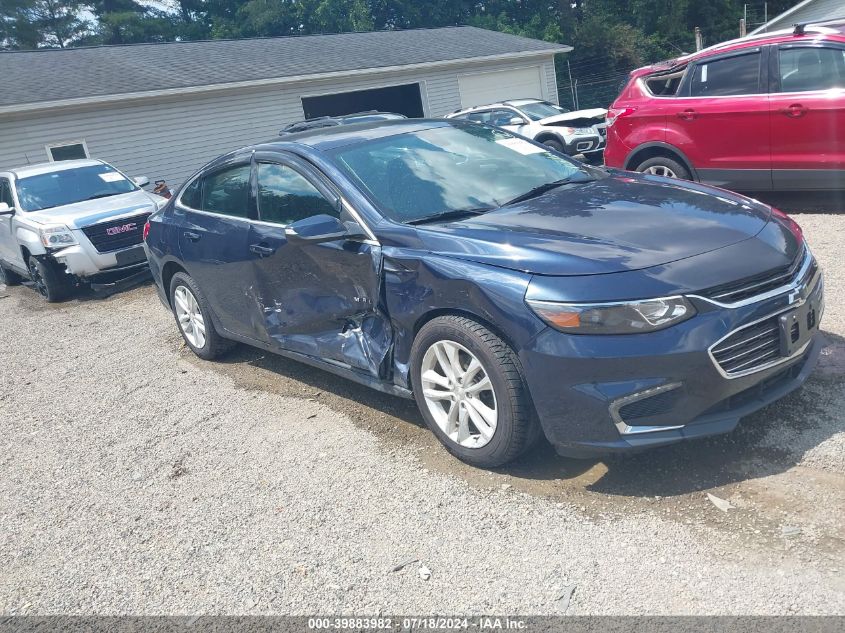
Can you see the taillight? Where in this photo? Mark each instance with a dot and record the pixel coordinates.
(146, 232)
(615, 113)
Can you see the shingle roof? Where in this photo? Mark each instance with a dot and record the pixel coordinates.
(59, 74)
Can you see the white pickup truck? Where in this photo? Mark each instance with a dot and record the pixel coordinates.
(71, 222)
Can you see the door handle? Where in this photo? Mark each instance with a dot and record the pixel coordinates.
(261, 250)
(688, 115)
(192, 236)
(795, 110)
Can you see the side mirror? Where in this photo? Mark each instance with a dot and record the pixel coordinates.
(5, 209)
(516, 121)
(141, 181)
(323, 228)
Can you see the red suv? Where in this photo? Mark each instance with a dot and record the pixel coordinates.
(761, 113)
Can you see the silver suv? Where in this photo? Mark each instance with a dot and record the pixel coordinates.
(581, 132)
(69, 222)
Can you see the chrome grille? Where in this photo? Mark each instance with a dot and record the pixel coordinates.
(765, 282)
(750, 348)
(115, 235)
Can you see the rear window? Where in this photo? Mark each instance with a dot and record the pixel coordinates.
(739, 75)
(665, 84)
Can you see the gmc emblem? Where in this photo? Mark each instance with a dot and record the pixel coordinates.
(124, 228)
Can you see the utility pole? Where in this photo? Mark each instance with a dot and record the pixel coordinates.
(571, 86)
(742, 31)
(698, 41)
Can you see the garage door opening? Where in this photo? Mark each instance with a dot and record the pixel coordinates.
(405, 99)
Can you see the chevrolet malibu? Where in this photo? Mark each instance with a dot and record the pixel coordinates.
(512, 292)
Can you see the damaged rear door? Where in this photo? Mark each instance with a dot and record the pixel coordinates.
(319, 299)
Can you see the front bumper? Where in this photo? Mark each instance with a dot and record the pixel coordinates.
(85, 262)
(583, 144)
(601, 394)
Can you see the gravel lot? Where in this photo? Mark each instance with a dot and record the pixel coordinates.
(135, 479)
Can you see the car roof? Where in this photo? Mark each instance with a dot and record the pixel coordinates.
(812, 32)
(48, 168)
(328, 138)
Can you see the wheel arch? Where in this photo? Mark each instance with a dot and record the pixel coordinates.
(547, 135)
(655, 149)
(167, 272)
(468, 314)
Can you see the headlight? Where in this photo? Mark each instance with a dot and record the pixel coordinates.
(629, 317)
(57, 236)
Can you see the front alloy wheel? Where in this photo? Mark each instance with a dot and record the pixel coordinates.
(459, 394)
(469, 387)
(189, 315)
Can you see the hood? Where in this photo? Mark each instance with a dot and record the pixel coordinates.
(619, 222)
(595, 113)
(88, 212)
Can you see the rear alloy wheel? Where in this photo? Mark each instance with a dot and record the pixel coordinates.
(189, 316)
(193, 317)
(50, 280)
(469, 388)
(663, 166)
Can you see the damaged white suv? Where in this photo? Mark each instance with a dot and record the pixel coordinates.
(69, 222)
(580, 132)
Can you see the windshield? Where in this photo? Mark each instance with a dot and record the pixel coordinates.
(448, 169)
(540, 110)
(71, 185)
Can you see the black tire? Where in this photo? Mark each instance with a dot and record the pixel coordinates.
(668, 163)
(517, 429)
(555, 145)
(9, 277)
(215, 345)
(594, 158)
(51, 280)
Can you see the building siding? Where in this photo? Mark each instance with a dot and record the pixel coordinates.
(172, 137)
(818, 10)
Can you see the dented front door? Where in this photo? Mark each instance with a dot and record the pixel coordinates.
(321, 300)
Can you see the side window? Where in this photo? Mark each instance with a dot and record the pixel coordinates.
(502, 117)
(192, 196)
(480, 116)
(227, 192)
(6, 192)
(738, 75)
(285, 196)
(806, 69)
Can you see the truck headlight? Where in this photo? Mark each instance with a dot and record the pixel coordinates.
(627, 317)
(56, 236)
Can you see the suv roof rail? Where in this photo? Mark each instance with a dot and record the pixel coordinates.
(799, 28)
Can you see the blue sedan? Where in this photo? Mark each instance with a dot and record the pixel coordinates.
(512, 291)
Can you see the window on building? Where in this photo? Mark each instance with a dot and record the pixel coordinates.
(67, 151)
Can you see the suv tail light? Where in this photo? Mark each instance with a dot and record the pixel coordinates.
(615, 113)
(146, 232)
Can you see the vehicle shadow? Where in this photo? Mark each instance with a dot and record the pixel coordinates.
(768, 442)
(804, 201)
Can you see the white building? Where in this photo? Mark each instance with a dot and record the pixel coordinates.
(806, 11)
(163, 110)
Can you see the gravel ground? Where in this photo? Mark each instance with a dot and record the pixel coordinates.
(135, 479)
